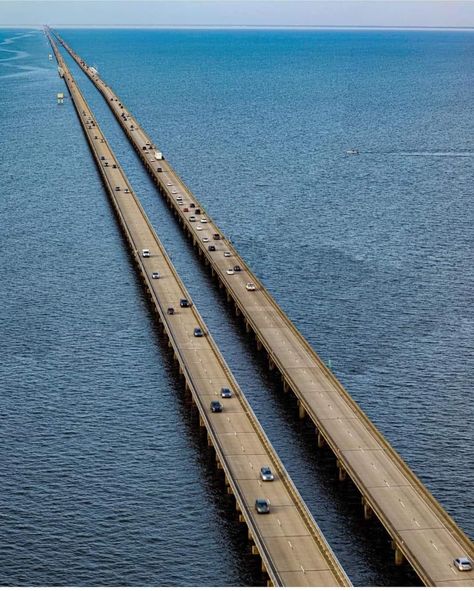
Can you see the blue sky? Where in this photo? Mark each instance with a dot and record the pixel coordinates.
(362, 13)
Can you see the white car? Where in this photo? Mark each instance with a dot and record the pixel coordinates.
(192, 218)
(198, 228)
(250, 286)
(174, 191)
(227, 253)
(203, 221)
(462, 563)
(205, 239)
(145, 253)
(230, 271)
(155, 275)
(169, 184)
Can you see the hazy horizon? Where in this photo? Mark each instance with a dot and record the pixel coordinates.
(398, 14)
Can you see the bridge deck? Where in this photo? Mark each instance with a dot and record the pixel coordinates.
(293, 550)
(420, 528)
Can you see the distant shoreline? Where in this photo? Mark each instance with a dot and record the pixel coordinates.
(241, 27)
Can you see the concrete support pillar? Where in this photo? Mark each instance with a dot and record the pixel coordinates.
(321, 440)
(237, 311)
(271, 365)
(286, 387)
(368, 513)
(255, 551)
(249, 535)
(259, 344)
(241, 518)
(247, 326)
(342, 471)
(399, 558)
(201, 421)
(230, 491)
(209, 441)
(264, 568)
(228, 296)
(301, 410)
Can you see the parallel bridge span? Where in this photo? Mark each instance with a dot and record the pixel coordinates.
(293, 550)
(421, 530)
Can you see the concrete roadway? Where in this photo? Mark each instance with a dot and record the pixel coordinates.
(421, 530)
(294, 552)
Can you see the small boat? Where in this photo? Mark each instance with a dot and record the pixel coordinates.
(352, 152)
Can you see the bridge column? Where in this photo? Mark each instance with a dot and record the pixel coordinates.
(301, 410)
(286, 387)
(342, 471)
(259, 344)
(247, 326)
(321, 440)
(399, 557)
(237, 311)
(368, 513)
(271, 365)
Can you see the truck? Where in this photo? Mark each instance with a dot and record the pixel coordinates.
(159, 155)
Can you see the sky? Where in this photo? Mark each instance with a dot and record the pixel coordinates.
(322, 13)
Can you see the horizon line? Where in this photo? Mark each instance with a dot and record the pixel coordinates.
(244, 26)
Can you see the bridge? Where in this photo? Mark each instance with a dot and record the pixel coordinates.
(422, 532)
(293, 550)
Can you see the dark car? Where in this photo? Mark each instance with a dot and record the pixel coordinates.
(170, 311)
(216, 406)
(237, 268)
(197, 211)
(184, 303)
(226, 392)
(211, 248)
(262, 506)
(192, 205)
(216, 236)
(198, 332)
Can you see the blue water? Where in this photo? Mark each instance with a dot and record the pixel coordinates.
(105, 480)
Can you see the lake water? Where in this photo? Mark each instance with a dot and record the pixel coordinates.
(105, 479)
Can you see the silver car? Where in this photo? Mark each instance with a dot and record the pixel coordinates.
(266, 474)
(462, 563)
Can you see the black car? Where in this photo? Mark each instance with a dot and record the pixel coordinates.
(262, 505)
(198, 332)
(211, 248)
(237, 268)
(184, 303)
(216, 406)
